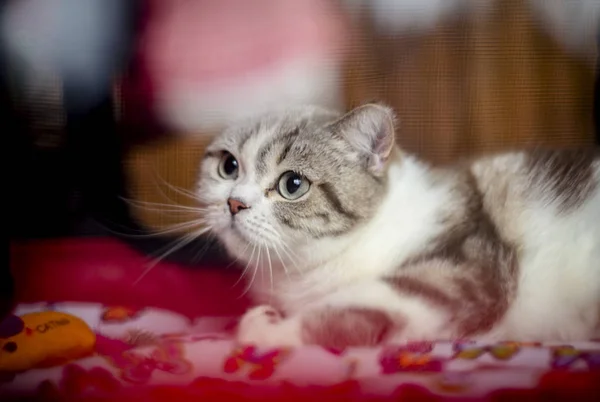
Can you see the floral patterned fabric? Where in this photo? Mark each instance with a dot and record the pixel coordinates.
(175, 358)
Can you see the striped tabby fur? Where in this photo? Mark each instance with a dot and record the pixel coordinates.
(374, 245)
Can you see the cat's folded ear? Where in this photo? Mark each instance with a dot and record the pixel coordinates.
(371, 130)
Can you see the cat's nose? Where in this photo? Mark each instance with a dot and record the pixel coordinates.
(236, 206)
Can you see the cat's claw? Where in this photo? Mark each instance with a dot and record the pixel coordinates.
(264, 326)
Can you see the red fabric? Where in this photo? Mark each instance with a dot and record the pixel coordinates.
(103, 270)
(553, 387)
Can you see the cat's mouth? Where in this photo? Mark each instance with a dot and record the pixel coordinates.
(248, 235)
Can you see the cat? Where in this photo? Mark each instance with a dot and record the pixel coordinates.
(349, 240)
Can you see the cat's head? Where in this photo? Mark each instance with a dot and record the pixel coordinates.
(295, 181)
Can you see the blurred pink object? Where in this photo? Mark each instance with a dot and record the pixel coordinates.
(212, 61)
(104, 270)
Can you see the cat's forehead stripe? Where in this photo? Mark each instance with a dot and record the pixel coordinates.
(283, 141)
(249, 133)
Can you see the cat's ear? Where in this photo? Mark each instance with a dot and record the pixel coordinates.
(371, 130)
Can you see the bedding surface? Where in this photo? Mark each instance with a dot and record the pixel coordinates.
(164, 351)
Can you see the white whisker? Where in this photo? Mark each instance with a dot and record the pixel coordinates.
(185, 236)
(179, 190)
(160, 190)
(167, 230)
(179, 244)
(210, 241)
(256, 268)
(175, 207)
(238, 258)
(275, 248)
(287, 250)
(164, 209)
(246, 267)
(173, 229)
(270, 267)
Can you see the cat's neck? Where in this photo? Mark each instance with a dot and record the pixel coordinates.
(407, 221)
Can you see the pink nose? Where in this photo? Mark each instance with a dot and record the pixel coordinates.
(236, 206)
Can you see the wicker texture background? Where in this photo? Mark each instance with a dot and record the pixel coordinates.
(468, 87)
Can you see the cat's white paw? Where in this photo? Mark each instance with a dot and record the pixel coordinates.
(264, 326)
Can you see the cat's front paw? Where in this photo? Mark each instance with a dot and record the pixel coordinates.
(264, 326)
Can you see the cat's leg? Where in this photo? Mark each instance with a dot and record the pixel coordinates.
(364, 314)
(324, 325)
(264, 326)
(441, 302)
(371, 313)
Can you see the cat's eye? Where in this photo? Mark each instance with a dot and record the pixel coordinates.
(228, 166)
(292, 186)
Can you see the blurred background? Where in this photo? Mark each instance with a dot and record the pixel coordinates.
(109, 99)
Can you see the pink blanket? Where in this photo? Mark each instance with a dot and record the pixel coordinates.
(179, 351)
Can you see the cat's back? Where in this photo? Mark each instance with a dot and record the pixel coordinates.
(558, 185)
(546, 204)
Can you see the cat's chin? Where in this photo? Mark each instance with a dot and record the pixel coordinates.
(247, 249)
(238, 243)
